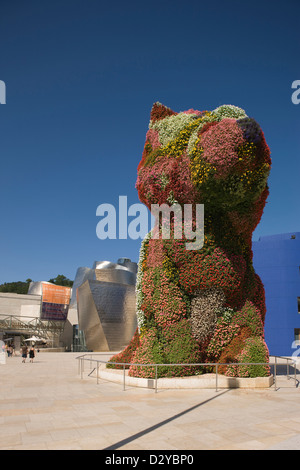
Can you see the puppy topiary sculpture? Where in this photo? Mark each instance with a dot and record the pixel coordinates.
(204, 305)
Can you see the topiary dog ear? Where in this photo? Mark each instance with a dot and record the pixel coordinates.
(159, 111)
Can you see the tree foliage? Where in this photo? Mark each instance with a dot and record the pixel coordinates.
(21, 287)
(61, 280)
(18, 287)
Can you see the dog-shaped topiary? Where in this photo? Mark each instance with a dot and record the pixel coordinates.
(205, 305)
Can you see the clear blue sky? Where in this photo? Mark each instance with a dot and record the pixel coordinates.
(81, 78)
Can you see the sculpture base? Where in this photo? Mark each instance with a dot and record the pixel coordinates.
(205, 381)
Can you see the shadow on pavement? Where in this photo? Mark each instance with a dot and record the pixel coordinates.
(162, 423)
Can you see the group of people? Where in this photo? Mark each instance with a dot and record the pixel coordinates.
(25, 352)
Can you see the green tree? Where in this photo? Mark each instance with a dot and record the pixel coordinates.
(18, 287)
(21, 287)
(61, 280)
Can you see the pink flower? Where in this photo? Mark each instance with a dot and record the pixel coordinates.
(220, 144)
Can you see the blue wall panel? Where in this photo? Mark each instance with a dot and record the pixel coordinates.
(276, 260)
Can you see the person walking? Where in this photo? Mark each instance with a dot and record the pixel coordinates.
(31, 353)
(24, 353)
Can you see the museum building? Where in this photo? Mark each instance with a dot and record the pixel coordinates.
(276, 259)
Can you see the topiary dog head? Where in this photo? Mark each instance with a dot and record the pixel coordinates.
(217, 158)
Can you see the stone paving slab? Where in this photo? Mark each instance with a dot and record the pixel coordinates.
(45, 405)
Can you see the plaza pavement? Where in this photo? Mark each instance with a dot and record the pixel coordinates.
(45, 405)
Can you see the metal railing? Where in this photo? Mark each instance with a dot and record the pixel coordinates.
(30, 324)
(289, 363)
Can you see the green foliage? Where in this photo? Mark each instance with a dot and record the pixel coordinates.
(61, 280)
(181, 348)
(149, 352)
(18, 287)
(171, 345)
(226, 314)
(21, 287)
(255, 351)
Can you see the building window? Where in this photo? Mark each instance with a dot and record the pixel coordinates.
(297, 334)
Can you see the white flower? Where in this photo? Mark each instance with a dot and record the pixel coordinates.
(138, 287)
(169, 127)
(229, 111)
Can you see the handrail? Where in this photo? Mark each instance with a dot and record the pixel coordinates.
(83, 358)
(30, 323)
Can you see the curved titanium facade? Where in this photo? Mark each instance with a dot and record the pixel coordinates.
(106, 306)
(36, 287)
(114, 274)
(82, 274)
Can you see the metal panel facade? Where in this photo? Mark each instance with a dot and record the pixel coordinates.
(106, 305)
(106, 312)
